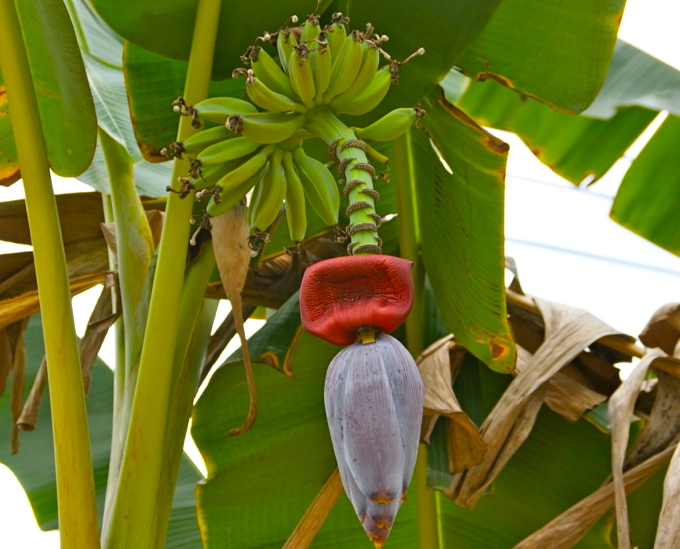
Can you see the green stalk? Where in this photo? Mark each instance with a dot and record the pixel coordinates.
(135, 248)
(75, 482)
(198, 315)
(405, 176)
(325, 125)
(132, 519)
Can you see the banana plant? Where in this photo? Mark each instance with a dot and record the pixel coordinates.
(374, 207)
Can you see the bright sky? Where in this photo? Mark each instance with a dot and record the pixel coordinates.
(566, 247)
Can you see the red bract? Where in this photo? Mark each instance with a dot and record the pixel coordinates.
(341, 295)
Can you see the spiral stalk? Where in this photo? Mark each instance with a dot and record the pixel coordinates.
(355, 175)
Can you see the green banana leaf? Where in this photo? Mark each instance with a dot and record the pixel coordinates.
(553, 51)
(576, 147)
(165, 28)
(460, 216)
(34, 464)
(647, 201)
(64, 101)
(9, 162)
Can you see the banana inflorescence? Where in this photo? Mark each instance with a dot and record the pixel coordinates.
(257, 145)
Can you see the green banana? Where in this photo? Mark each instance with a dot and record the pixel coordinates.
(200, 140)
(245, 170)
(269, 195)
(270, 100)
(301, 75)
(285, 42)
(371, 97)
(322, 64)
(345, 66)
(319, 186)
(363, 79)
(226, 200)
(394, 124)
(229, 149)
(211, 175)
(217, 109)
(270, 73)
(310, 29)
(296, 210)
(336, 33)
(266, 127)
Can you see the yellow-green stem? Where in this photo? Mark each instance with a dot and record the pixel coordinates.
(132, 522)
(324, 124)
(75, 482)
(135, 247)
(404, 176)
(192, 344)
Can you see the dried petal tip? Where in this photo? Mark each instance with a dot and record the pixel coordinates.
(341, 295)
(374, 405)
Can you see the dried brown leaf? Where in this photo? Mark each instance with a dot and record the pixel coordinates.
(663, 329)
(79, 214)
(14, 354)
(24, 305)
(29, 415)
(101, 319)
(232, 253)
(155, 219)
(564, 531)
(438, 366)
(620, 409)
(568, 331)
(668, 533)
(569, 394)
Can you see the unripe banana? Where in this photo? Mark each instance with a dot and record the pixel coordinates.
(270, 73)
(371, 97)
(229, 149)
(322, 71)
(345, 67)
(200, 140)
(310, 30)
(270, 100)
(269, 196)
(285, 42)
(266, 127)
(246, 170)
(296, 210)
(217, 109)
(394, 124)
(363, 79)
(301, 75)
(211, 175)
(319, 186)
(336, 33)
(226, 200)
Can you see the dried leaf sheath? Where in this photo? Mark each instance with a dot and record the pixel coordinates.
(230, 242)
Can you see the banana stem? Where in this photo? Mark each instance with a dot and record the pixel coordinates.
(133, 519)
(404, 175)
(76, 501)
(357, 174)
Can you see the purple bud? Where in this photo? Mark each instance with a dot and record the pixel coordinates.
(374, 406)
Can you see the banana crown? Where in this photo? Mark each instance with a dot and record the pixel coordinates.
(297, 81)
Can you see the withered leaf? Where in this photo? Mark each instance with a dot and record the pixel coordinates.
(668, 533)
(663, 329)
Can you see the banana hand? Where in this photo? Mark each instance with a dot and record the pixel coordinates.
(200, 140)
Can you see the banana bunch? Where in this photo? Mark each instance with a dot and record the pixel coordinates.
(256, 144)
